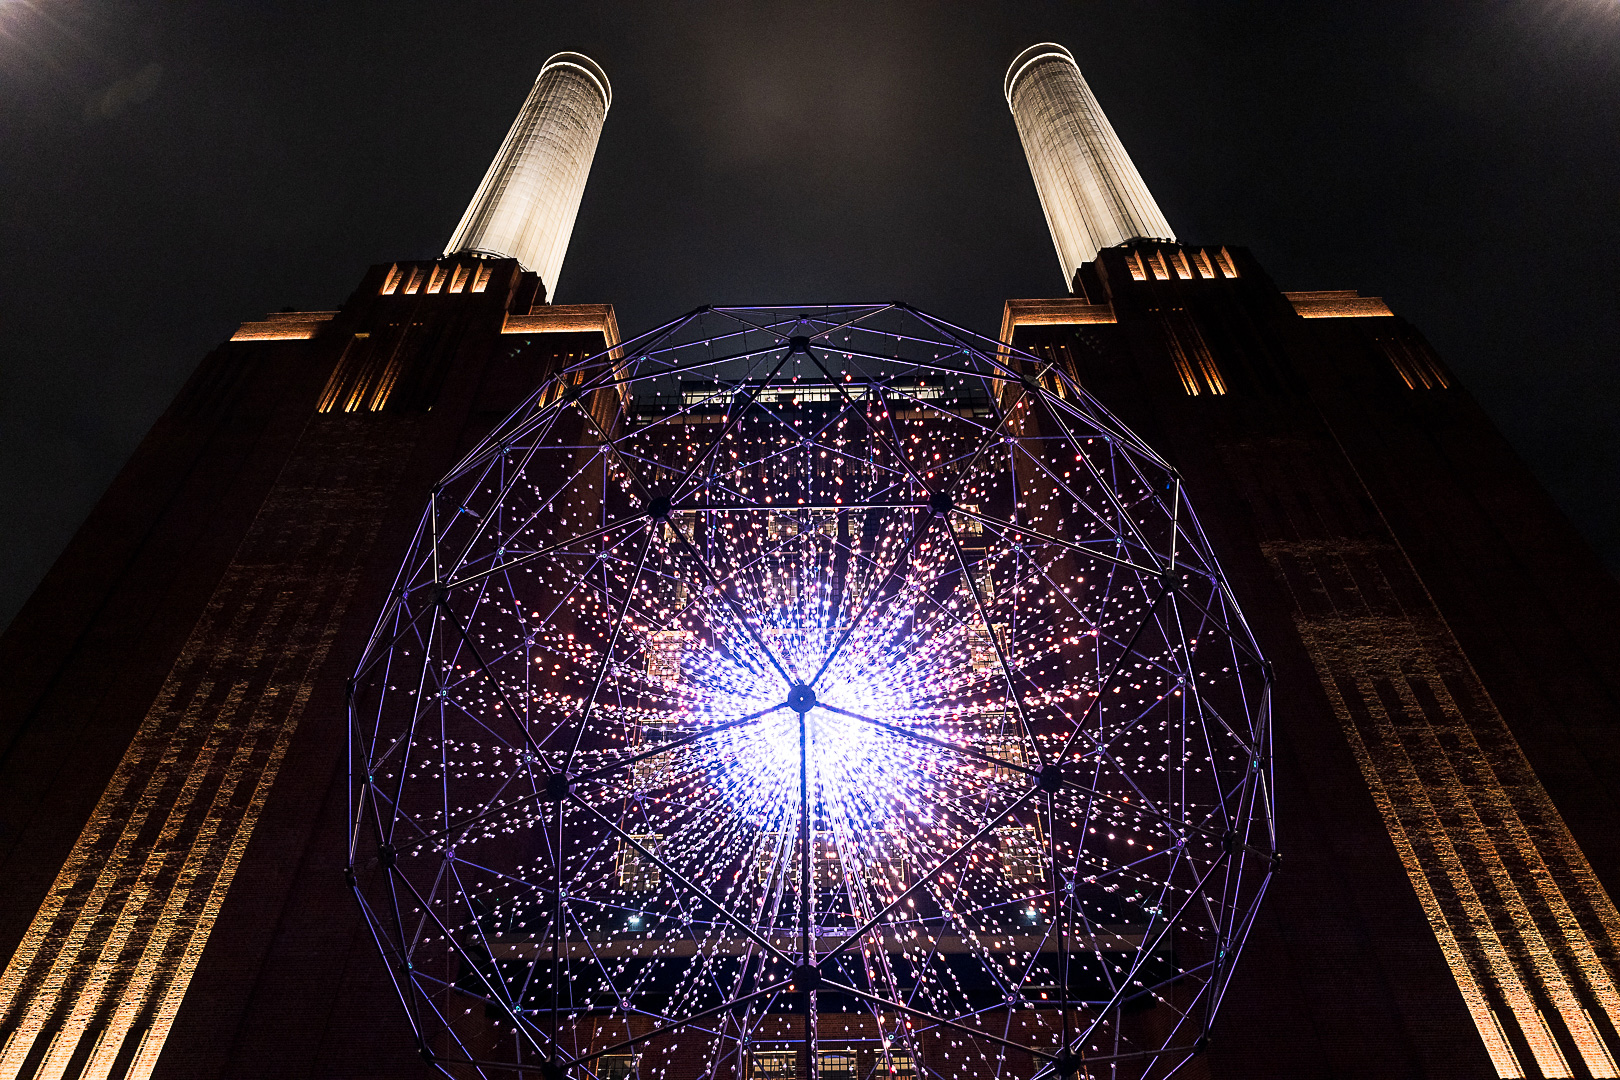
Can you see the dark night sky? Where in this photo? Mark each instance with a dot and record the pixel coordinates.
(168, 170)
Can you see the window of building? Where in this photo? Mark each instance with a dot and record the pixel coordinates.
(836, 1065)
(618, 1066)
(895, 1064)
(984, 581)
(680, 523)
(829, 865)
(773, 1064)
(982, 646)
(665, 649)
(1023, 855)
(365, 375)
(885, 864)
(780, 526)
(1009, 748)
(659, 770)
(773, 848)
(637, 871)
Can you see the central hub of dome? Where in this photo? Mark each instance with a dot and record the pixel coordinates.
(801, 699)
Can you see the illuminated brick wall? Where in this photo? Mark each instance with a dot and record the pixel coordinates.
(173, 693)
(1447, 734)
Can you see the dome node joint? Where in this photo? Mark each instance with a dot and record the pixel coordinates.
(799, 344)
(801, 699)
(941, 503)
(1049, 778)
(806, 977)
(1066, 1066)
(557, 788)
(658, 508)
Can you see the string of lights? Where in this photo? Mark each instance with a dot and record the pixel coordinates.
(820, 691)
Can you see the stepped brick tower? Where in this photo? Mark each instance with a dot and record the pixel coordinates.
(1448, 717)
(173, 780)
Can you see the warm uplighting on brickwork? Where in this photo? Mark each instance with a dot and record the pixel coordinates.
(284, 326)
(1413, 361)
(100, 973)
(1337, 304)
(1508, 894)
(1195, 364)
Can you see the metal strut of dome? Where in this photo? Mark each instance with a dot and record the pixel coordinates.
(811, 691)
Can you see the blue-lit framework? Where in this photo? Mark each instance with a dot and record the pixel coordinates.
(826, 662)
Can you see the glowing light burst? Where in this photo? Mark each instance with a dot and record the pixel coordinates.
(857, 773)
(822, 691)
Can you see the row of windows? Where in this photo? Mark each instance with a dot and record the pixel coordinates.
(1020, 849)
(664, 650)
(436, 277)
(1200, 263)
(835, 1064)
(785, 524)
(843, 1064)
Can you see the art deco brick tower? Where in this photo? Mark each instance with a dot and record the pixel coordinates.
(1447, 660)
(172, 796)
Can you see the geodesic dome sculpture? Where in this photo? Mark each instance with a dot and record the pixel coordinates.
(821, 692)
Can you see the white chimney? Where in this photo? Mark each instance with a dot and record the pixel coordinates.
(526, 206)
(1093, 196)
